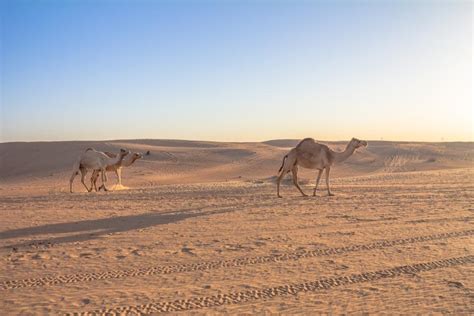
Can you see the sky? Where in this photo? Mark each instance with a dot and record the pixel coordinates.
(236, 70)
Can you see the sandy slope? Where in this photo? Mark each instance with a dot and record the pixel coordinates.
(392, 240)
(48, 165)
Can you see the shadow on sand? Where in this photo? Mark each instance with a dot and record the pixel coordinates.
(93, 229)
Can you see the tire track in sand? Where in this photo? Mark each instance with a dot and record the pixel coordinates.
(282, 290)
(209, 265)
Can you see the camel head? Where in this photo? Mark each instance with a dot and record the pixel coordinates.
(136, 156)
(356, 143)
(124, 152)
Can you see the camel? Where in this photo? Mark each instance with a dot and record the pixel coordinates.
(92, 159)
(117, 167)
(312, 155)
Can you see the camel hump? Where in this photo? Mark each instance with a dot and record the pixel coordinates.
(308, 139)
(90, 148)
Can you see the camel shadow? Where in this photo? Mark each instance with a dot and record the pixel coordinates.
(79, 231)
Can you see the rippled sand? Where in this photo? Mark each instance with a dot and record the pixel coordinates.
(387, 242)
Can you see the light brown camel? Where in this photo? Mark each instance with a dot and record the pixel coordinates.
(92, 159)
(312, 155)
(117, 167)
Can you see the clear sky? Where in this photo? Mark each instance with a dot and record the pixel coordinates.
(236, 70)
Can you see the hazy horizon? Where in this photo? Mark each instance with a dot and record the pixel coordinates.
(231, 141)
(236, 71)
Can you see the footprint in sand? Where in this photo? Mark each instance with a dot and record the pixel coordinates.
(237, 247)
(341, 267)
(188, 251)
(41, 256)
(98, 249)
(137, 252)
(455, 284)
(17, 258)
(86, 255)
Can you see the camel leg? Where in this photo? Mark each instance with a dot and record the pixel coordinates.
(288, 163)
(74, 174)
(83, 175)
(118, 172)
(317, 181)
(294, 170)
(92, 178)
(280, 177)
(104, 179)
(327, 181)
(95, 176)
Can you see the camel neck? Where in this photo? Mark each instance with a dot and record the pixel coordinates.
(118, 160)
(341, 156)
(128, 162)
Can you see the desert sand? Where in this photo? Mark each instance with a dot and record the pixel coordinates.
(198, 229)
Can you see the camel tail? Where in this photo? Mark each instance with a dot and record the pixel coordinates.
(283, 163)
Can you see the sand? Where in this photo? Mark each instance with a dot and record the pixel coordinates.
(197, 228)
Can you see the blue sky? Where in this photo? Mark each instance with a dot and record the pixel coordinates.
(236, 70)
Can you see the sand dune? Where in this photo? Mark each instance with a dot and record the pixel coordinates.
(178, 161)
(198, 229)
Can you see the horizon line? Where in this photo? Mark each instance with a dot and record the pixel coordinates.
(220, 141)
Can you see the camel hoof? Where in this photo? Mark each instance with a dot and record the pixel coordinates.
(280, 196)
(330, 194)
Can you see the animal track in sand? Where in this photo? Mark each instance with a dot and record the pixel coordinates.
(282, 290)
(209, 265)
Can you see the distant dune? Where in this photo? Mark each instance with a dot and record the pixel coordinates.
(180, 161)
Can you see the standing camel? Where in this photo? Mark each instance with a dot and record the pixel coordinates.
(312, 155)
(117, 167)
(92, 159)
